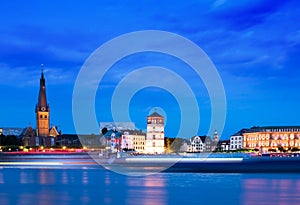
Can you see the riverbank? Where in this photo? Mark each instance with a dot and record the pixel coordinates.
(149, 163)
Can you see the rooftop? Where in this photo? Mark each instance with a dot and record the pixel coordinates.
(267, 128)
(155, 114)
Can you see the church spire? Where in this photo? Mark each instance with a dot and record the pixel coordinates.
(42, 101)
(42, 110)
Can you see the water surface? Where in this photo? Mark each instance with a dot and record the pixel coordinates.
(46, 186)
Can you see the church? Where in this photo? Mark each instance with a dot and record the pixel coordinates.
(43, 135)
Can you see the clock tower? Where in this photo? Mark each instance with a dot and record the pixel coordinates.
(42, 110)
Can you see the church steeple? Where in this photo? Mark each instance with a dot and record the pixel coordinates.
(42, 100)
(42, 109)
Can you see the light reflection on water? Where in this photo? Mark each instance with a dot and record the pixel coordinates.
(271, 189)
(93, 186)
(152, 188)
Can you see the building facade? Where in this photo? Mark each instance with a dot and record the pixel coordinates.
(42, 110)
(155, 134)
(236, 142)
(223, 145)
(114, 140)
(133, 140)
(215, 141)
(200, 144)
(272, 138)
(42, 135)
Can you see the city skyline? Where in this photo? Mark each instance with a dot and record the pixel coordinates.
(254, 46)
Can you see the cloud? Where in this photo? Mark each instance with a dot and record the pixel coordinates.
(240, 15)
(29, 76)
(218, 3)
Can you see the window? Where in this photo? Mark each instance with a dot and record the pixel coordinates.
(153, 144)
(41, 116)
(45, 116)
(153, 136)
(37, 141)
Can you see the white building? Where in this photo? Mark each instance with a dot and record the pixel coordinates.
(199, 144)
(236, 142)
(224, 145)
(127, 141)
(133, 141)
(155, 134)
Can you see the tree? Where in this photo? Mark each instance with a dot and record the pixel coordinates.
(295, 149)
(280, 148)
(104, 131)
(176, 144)
(173, 144)
(9, 140)
(2, 139)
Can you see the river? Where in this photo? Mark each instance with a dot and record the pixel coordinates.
(92, 185)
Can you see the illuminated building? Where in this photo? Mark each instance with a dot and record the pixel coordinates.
(113, 138)
(223, 145)
(272, 138)
(215, 141)
(200, 144)
(42, 110)
(236, 142)
(155, 134)
(43, 135)
(133, 140)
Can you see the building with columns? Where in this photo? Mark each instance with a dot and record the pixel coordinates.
(155, 134)
(272, 138)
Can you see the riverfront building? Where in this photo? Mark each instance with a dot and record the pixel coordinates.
(134, 140)
(200, 144)
(271, 138)
(123, 136)
(44, 135)
(155, 134)
(236, 141)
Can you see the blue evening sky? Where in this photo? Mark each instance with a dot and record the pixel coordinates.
(255, 46)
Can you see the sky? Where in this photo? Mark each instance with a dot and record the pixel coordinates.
(254, 45)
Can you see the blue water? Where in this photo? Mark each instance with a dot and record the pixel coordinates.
(98, 186)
